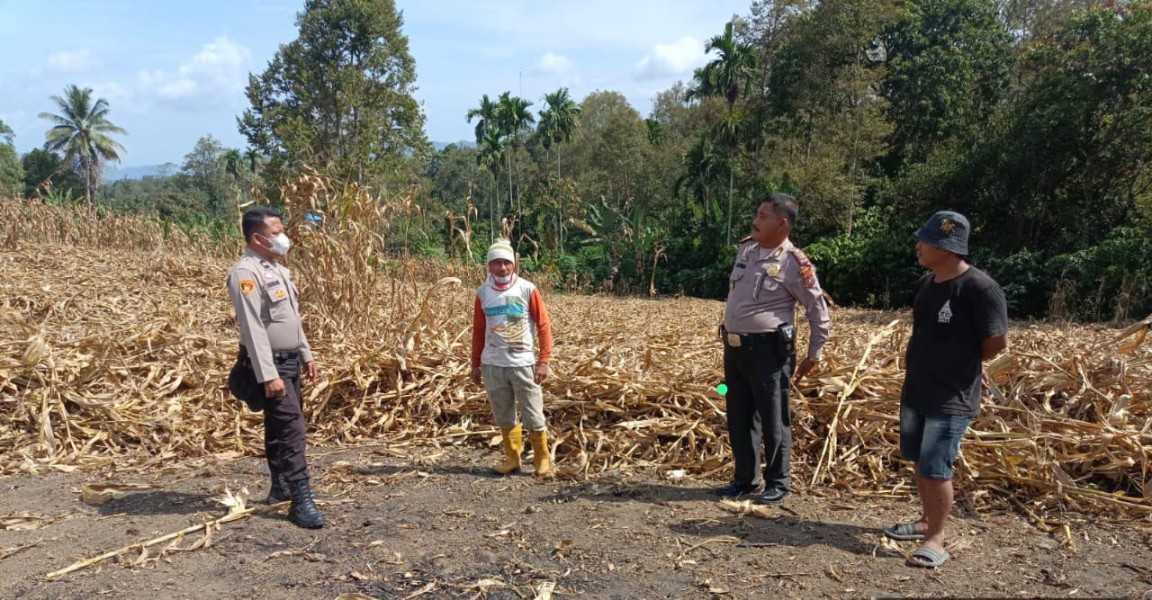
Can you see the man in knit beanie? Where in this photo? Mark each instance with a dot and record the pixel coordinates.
(509, 323)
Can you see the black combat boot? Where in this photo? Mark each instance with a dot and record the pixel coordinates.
(278, 492)
(303, 511)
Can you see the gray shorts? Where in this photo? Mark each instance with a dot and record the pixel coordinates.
(509, 386)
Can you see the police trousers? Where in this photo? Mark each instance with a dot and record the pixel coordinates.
(284, 426)
(758, 374)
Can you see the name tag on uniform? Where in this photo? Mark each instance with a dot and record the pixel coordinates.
(734, 340)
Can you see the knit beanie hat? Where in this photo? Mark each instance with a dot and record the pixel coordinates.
(501, 249)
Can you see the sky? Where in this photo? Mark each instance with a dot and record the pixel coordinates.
(173, 72)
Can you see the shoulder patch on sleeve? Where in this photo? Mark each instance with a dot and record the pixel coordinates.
(246, 286)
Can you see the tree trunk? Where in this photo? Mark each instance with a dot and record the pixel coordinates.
(731, 183)
(493, 203)
(88, 196)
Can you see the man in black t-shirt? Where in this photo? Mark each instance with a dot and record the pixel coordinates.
(959, 319)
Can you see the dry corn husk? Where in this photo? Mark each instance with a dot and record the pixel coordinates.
(115, 355)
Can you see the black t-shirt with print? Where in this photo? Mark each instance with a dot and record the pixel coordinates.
(950, 320)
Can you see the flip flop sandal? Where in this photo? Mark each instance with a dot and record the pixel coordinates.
(903, 532)
(928, 558)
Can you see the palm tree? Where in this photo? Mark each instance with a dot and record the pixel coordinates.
(485, 115)
(729, 75)
(701, 164)
(82, 133)
(558, 121)
(253, 158)
(513, 118)
(656, 134)
(491, 153)
(232, 162)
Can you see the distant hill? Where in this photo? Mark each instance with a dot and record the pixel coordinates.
(462, 143)
(116, 172)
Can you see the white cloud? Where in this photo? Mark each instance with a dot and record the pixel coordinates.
(674, 59)
(552, 64)
(73, 61)
(215, 76)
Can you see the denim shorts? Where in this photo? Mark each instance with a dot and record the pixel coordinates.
(931, 440)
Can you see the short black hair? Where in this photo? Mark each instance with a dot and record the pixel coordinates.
(784, 205)
(255, 220)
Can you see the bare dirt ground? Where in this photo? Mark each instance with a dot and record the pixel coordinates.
(433, 523)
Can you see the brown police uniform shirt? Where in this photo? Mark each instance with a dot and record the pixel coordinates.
(267, 311)
(765, 286)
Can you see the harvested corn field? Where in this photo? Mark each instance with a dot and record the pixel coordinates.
(116, 358)
(113, 357)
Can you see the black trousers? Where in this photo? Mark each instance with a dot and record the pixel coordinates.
(284, 432)
(759, 419)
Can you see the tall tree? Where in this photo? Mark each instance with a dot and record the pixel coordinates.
(207, 170)
(232, 163)
(558, 120)
(485, 116)
(491, 151)
(491, 154)
(83, 133)
(11, 169)
(825, 88)
(514, 119)
(339, 97)
(254, 159)
(948, 66)
(729, 76)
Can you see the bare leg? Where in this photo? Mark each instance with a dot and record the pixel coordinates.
(936, 497)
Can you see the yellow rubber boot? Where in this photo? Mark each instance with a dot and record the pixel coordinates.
(513, 444)
(540, 457)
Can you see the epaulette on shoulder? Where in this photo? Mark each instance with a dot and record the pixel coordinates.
(800, 256)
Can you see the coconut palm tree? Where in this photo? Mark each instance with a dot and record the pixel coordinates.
(82, 133)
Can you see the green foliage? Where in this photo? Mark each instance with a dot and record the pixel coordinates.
(46, 172)
(212, 170)
(873, 266)
(948, 63)
(11, 169)
(340, 97)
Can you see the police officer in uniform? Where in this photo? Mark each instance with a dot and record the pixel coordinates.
(770, 276)
(272, 341)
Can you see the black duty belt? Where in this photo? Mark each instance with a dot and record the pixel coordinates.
(279, 356)
(748, 339)
(285, 355)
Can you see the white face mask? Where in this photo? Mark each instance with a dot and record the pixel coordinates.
(280, 244)
(502, 280)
